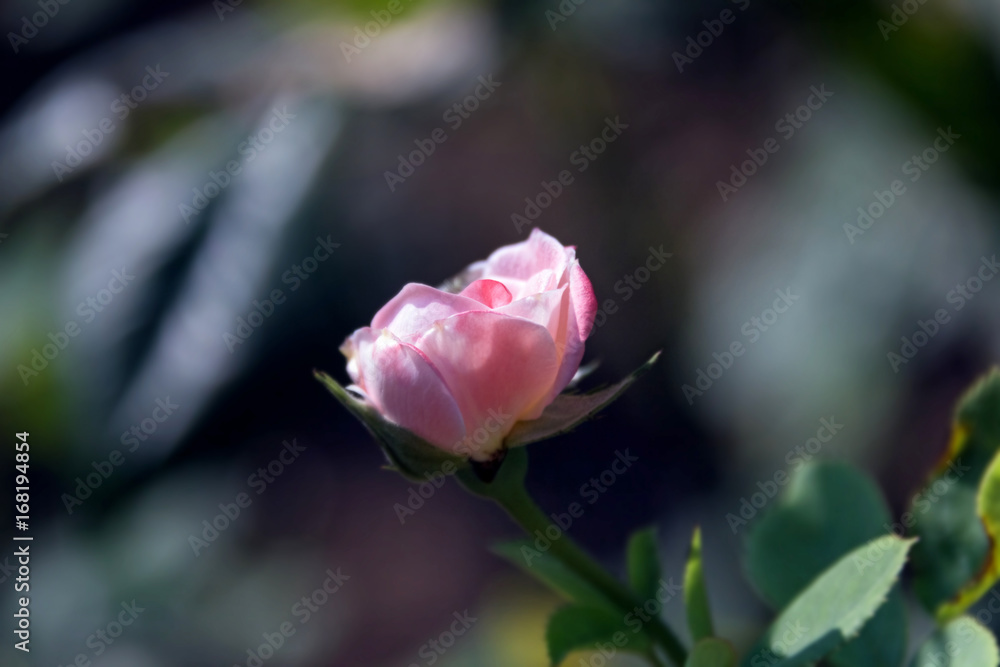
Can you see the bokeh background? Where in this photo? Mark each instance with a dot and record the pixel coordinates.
(122, 198)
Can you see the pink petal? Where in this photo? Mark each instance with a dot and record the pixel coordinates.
(583, 299)
(500, 369)
(572, 355)
(550, 309)
(417, 307)
(523, 260)
(407, 390)
(579, 323)
(543, 281)
(490, 293)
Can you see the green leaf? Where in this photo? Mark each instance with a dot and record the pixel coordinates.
(711, 652)
(568, 411)
(834, 607)
(699, 614)
(963, 642)
(882, 642)
(549, 570)
(827, 510)
(954, 546)
(576, 627)
(988, 510)
(412, 456)
(644, 563)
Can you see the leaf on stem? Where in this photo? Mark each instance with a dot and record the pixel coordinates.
(834, 607)
(643, 563)
(963, 642)
(699, 613)
(988, 510)
(948, 513)
(576, 627)
(827, 509)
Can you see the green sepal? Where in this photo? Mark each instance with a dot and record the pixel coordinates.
(568, 410)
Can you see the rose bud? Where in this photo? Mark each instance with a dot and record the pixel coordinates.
(459, 370)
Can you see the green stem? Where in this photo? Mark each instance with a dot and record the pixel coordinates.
(522, 508)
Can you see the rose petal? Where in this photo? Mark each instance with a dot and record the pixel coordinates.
(523, 260)
(500, 369)
(550, 309)
(490, 293)
(578, 325)
(407, 390)
(583, 299)
(417, 307)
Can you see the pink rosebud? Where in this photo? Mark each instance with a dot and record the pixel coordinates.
(461, 369)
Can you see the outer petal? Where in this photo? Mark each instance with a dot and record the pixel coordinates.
(406, 388)
(417, 307)
(524, 260)
(584, 302)
(579, 322)
(500, 369)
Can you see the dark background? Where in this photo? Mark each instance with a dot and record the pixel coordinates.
(324, 176)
